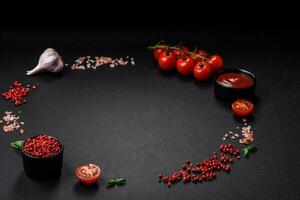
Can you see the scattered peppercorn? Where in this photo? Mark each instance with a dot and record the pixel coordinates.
(17, 92)
(42, 146)
(206, 170)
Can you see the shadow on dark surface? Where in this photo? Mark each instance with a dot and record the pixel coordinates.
(47, 77)
(185, 79)
(203, 84)
(86, 190)
(25, 187)
(250, 119)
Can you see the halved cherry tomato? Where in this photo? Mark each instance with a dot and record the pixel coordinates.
(157, 52)
(185, 66)
(242, 107)
(179, 53)
(216, 62)
(202, 71)
(88, 174)
(167, 61)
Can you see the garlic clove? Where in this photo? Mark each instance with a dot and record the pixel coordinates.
(35, 70)
(49, 61)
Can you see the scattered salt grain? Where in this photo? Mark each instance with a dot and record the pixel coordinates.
(87, 62)
(10, 122)
(248, 135)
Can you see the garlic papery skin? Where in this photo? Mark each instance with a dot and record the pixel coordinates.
(49, 61)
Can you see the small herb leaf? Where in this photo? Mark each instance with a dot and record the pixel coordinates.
(112, 181)
(110, 184)
(249, 149)
(17, 144)
(120, 180)
(245, 152)
(117, 181)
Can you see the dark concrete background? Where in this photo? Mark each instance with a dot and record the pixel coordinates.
(136, 122)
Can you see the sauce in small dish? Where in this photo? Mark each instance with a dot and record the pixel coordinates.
(235, 80)
(232, 84)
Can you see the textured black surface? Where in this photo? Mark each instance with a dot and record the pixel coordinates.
(136, 122)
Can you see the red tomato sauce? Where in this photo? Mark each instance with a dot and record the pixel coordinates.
(235, 80)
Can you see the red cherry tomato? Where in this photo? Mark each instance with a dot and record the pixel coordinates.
(202, 71)
(198, 58)
(179, 53)
(242, 107)
(185, 66)
(216, 62)
(157, 52)
(202, 53)
(88, 174)
(167, 61)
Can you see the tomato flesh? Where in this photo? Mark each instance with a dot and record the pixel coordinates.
(242, 107)
(88, 174)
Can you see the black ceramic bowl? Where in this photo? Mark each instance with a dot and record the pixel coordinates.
(230, 93)
(43, 168)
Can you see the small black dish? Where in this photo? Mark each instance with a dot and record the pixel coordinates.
(230, 93)
(43, 168)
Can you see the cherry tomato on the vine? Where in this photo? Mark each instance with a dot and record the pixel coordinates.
(185, 66)
(199, 56)
(216, 62)
(202, 53)
(157, 52)
(181, 52)
(202, 71)
(167, 61)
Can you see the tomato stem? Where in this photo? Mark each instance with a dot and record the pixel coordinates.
(168, 48)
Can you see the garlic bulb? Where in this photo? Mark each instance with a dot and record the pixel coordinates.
(49, 61)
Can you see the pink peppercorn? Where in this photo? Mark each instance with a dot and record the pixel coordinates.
(42, 146)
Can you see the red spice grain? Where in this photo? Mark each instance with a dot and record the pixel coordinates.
(17, 92)
(42, 146)
(205, 170)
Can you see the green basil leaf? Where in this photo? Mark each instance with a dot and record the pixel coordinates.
(251, 148)
(120, 180)
(121, 183)
(245, 152)
(17, 144)
(110, 185)
(112, 181)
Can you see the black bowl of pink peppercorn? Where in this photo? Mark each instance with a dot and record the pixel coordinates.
(42, 157)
